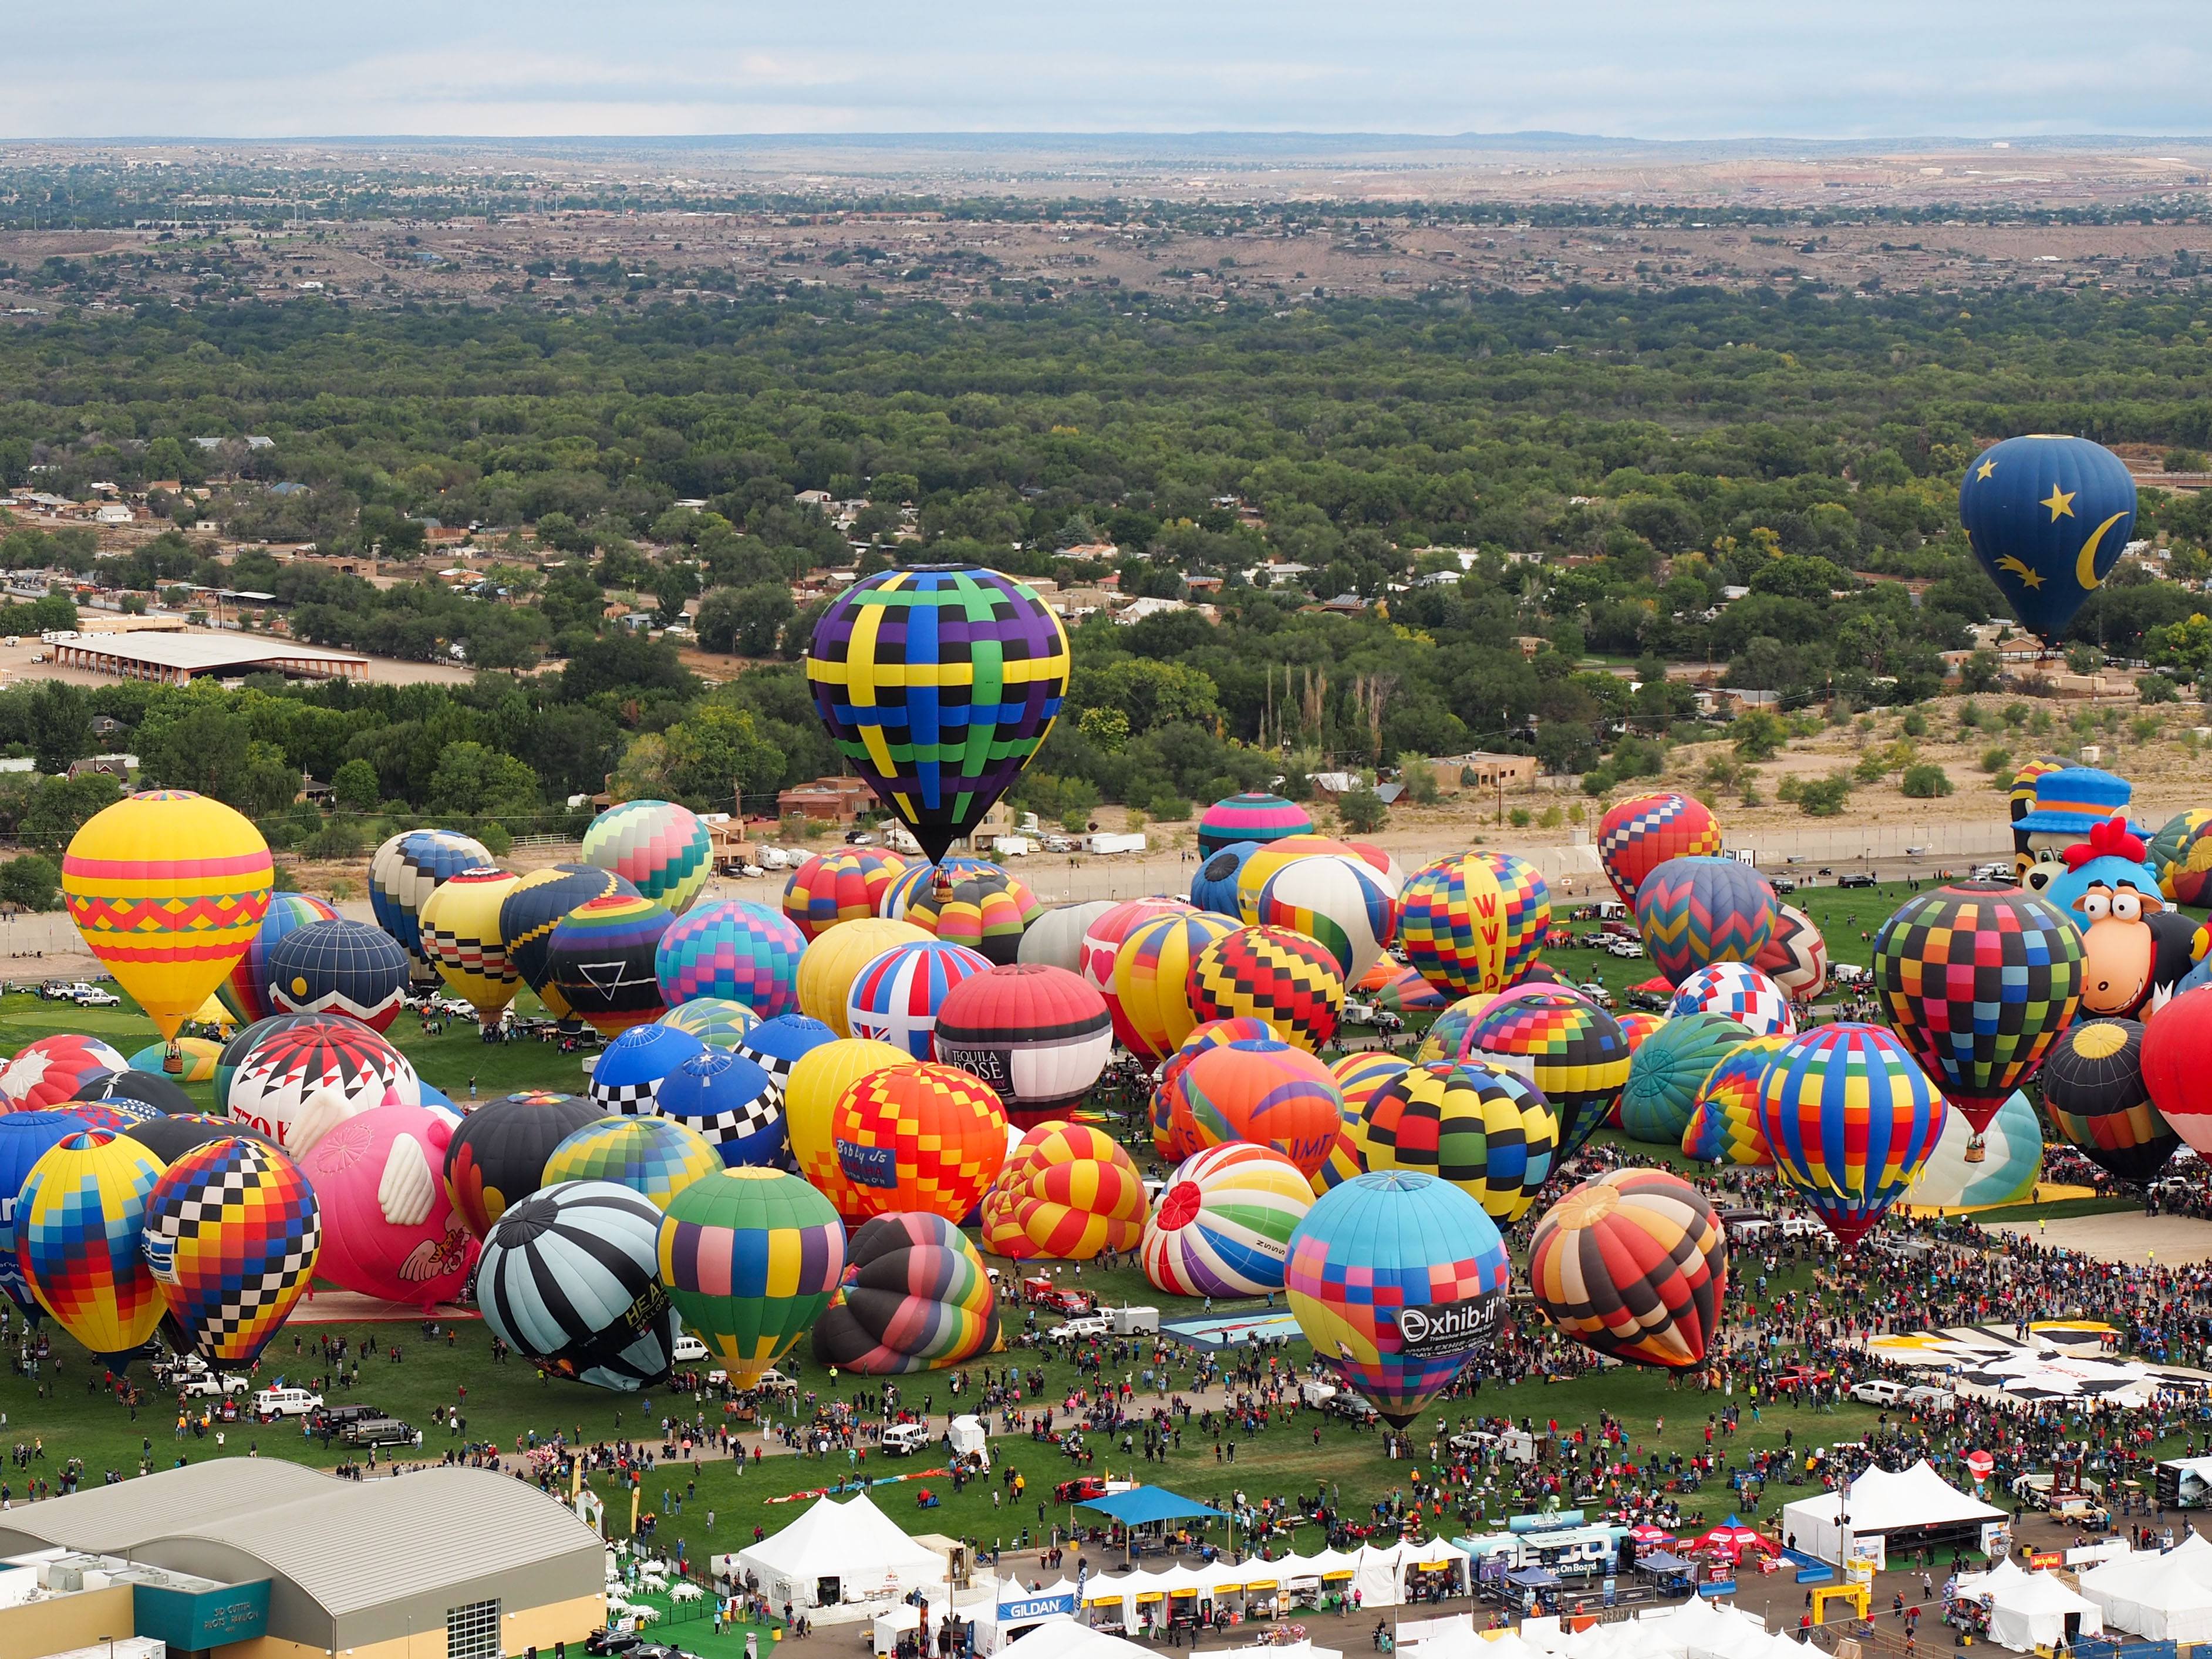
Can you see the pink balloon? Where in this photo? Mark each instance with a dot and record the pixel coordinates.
(374, 1167)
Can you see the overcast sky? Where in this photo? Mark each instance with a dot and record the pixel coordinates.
(1647, 68)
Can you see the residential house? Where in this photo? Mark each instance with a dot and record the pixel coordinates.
(1482, 770)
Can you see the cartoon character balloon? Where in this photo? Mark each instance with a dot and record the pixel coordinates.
(79, 1221)
(233, 1234)
(1633, 1265)
(167, 888)
(569, 1280)
(1645, 831)
(659, 847)
(914, 1297)
(2048, 517)
(937, 682)
(389, 1230)
(1396, 1278)
(1849, 1118)
(750, 1258)
(2134, 948)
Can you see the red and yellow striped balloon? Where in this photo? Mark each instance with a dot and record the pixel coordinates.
(1067, 1192)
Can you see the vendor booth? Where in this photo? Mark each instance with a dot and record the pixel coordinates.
(2030, 1610)
(1882, 1515)
(2167, 1597)
(839, 1552)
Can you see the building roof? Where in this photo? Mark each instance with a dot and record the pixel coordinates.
(115, 1520)
(199, 653)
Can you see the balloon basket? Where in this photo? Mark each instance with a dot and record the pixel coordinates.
(173, 1059)
(1977, 1150)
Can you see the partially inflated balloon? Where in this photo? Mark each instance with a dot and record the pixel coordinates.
(654, 1157)
(1151, 1001)
(78, 1223)
(2094, 1091)
(916, 879)
(833, 961)
(1406, 993)
(921, 1138)
(1796, 956)
(1723, 1126)
(1978, 981)
(497, 1157)
(1484, 1130)
(167, 888)
(339, 967)
(751, 1257)
(1849, 1118)
(245, 989)
(914, 1297)
(1645, 831)
(569, 1279)
(2008, 1170)
(233, 1233)
(845, 886)
(1067, 1192)
(1739, 992)
(1396, 1278)
(1667, 1071)
(2048, 517)
(2181, 855)
(1257, 818)
(52, 1069)
(895, 997)
(1054, 939)
(1451, 925)
(389, 1230)
(937, 682)
(410, 867)
(1224, 1223)
(1633, 1265)
(601, 962)
(747, 952)
(1039, 1035)
(535, 906)
(1358, 1077)
(658, 846)
(461, 936)
(1692, 912)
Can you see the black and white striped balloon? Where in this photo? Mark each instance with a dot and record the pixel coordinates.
(570, 1279)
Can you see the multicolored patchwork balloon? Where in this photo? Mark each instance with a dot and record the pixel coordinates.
(914, 1297)
(717, 1022)
(1571, 1049)
(1849, 1118)
(937, 682)
(1528, 910)
(1451, 925)
(1406, 993)
(1723, 1126)
(1396, 1278)
(1290, 980)
(245, 990)
(1645, 831)
(1067, 1192)
(233, 1234)
(747, 953)
(1258, 818)
(79, 1221)
(1486, 1130)
(410, 867)
(987, 911)
(1633, 1265)
(601, 962)
(923, 1137)
(896, 996)
(656, 1157)
(659, 847)
(750, 1258)
(843, 886)
(1692, 912)
(1224, 1223)
(2181, 856)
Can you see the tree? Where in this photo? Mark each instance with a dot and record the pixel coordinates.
(624, 662)
(353, 786)
(31, 881)
(1925, 781)
(473, 779)
(746, 621)
(1757, 734)
(1824, 797)
(716, 754)
(1361, 811)
(2184, 647)
(503, 636)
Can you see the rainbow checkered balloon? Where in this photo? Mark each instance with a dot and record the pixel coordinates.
(233, 1233)
(1695, 911)
(1724, 1114)
(1849, 1118)
(939, 682)
(1451, 924)
(79, 1221)
(1568, 1047)
(1290, 980)
(1742, 993)
(656, 1157)
(1642, 833)
(658, 845)
(747, 953)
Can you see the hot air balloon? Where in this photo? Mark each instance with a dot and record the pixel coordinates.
(1258, 818)
(1645, 831)
(1213, 885)
(751, 1257)
(1040, 1037)
(1633, 1265)
(1665, 1074)
(2048, 517)
(25, 1138)
(747, 952)
(1341, 902)
(811, 1091)
(390, 1230)
(1446, 1037)
(245, 990)
(51, 1069)
(658, 846)
(1638, 1025)
(717, 1022)
(1406, 993)
(1528, 910)
(914, 1297)
(1358, 1076)
(2175, 1041)
(1795, 957)
(1054, 939)
(1849, 1118)
(151, 1090)
(923, 1137)
(2094, 1091)
(1739, 992)
(1287, 979)
(114, 1114)
(1692, 912)
(1224, 1223)
(232, 1235)
(569, 1279)
(833, 961)
(497, 1157)
(1210, 1034)
(844, 885)
(410, 867)
(937, 682)
(2008, 1172)
(600, 962)
(1276, 856)
(337, 967)
(916, 879)
(731, 1102)
(895, 997)
(1066, 1192)
(628, 1075)
(654, 1157)
(79, 1219)
(1724, 1113)
(289, 1064)
(2181, 854)
(1151, 1000)
(167, 888)
(1571, 1049)
(1395, 1277)
(1484, 1130)
(460, 935)
(169, 1137)
(1451, 925)
(1978, 981)
(1102, 936)
(535, 906)
(777, 1045)
(1258, 1091)
(988, 912)
(198, 1054)
(232, 1054)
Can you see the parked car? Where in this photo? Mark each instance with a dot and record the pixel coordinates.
(603, 1643)
(1349, 1405)
(1782, 883)
(213, 1384)
(903, 1439)
(1080, 1490)
(57, 990)
(688, 1350)
(377, 1432)
(1878, 1391)
(1855, 879)
(1081, 1329)
(91, 996)
(336, 1417)
(1651, 1002)
(1596, 993)
(285, 1402)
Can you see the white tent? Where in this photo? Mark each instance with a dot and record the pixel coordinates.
(2167, 1598)
(1380, 1574)
(2029, 1610)
(850, 1552)
(1065, 1639)
(1879, 1504)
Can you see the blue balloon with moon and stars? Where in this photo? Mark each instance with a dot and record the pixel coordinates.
(2048, 517)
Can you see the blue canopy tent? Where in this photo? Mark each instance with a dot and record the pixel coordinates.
(1143, 1506)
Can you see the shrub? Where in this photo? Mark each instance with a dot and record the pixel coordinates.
(1518, 817)
(1914, 724)
(1997, 762)
(1824, 797)
(1169, 809)
(2156, 688)
(1361, 811)
(1925, 781)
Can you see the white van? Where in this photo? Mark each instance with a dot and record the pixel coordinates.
(285, 1402)
(903, 1438)
(1125, 1321)
(688, 1350)
(1878, 1392)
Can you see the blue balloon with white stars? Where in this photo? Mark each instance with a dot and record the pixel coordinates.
(2048, 517)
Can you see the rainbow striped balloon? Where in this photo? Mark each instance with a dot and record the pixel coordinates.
(1151, 998)
(746, 952)
(1528, 910)
(1451, 923)
(751, 1257)
(896, 995)
(1849, 1117)
(1224, 1223)
(840, 886)
(658, 845)
(1254, 817)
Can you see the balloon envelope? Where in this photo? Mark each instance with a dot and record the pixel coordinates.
(1290, 980)
(337, 967)
(410, 867)
(921, 1138)
(245, 989)
(661, 848)
(1257, 818)
(746, 952)
(656, 1157)
(460, 935)
(1039, 1035)
(1633, 1265)
(751, 1257)
(601, 962)
(1066, 1193)
(1692, 912)
(1451, 925)
(233, 1234)
(79, 1219)
(569, 1279)
(1643, 832)
(914, 1297)
(2008, 1171)
(2097, 1098)
(844, 885)
(2048, 517)
(534, 906)
(1486, 1130)
(1849, 1118)
(497, 1157)
(389, 1230)
(1224, 1223)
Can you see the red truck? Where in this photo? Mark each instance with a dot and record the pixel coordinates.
(1042, 1292)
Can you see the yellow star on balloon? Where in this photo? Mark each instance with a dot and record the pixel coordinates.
(2060, 502)
(1986, 469)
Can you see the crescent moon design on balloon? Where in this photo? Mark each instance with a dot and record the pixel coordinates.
(2084, 567)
